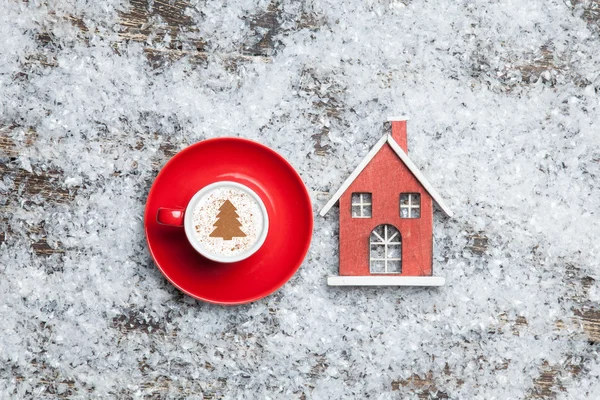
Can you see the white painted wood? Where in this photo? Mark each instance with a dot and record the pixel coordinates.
(402, 155)
(420, 177)
(398, 118)
(353, 175)
(378, 280)
(386, 242)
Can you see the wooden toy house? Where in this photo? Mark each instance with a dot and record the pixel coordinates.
(386, 218)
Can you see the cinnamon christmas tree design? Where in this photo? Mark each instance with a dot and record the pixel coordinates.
(227, 224)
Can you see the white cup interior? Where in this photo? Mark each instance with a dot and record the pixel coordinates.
(189, 223)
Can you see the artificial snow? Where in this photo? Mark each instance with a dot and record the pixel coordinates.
(505, 112)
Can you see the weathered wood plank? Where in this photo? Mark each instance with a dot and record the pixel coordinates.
(41, 184)
(159, 57)
(158, 18)
(327, 105)
(478, 243)
(145, 20)
(7, 147)
(589, 320)
(49, 186)
(148, 21)
(423, 387)
(25, 186)
(268, 25)
(591, 12)
(544, 64)
(136, 320)
(37, 237)
(552, 379)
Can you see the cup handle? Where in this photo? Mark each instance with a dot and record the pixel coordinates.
(170, 216)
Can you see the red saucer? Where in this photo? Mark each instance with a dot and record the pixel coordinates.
(281, 190)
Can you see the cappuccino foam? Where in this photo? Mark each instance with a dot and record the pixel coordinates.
(227, 221)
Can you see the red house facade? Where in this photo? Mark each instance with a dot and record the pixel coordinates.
(386, 218)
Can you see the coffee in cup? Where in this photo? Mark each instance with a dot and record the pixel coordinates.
(224, 221)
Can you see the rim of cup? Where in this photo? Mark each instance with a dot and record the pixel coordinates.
(189, 224)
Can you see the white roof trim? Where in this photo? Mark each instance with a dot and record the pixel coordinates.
(353, 175)
(409, 164)
(398, 118)
(381, 280)
(420, 177)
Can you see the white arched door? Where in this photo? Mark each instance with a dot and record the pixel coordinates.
(385, 250)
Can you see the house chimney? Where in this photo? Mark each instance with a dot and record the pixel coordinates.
(399, 131)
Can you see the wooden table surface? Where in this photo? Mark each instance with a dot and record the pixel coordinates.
(137, 25)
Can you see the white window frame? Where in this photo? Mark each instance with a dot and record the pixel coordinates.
(363, 203)
(385, 241)
(410, 206)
